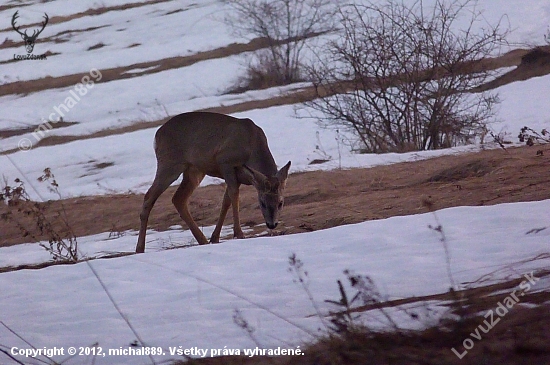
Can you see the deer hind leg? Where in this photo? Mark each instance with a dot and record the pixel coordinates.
(226, 203)
(234, 196)
(191, 179)
(163, 179)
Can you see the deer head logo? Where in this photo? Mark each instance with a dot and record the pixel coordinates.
(29, 40)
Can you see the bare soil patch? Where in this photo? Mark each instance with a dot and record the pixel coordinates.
(6, 133)
(321, 199)
(12, 6)
(533, 63)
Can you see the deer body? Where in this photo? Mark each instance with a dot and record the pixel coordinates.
(200, 143)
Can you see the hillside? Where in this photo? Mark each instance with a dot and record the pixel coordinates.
(437, 238)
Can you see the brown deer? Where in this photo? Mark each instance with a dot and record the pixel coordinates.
(200, 143)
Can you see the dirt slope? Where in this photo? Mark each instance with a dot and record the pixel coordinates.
(319, 200)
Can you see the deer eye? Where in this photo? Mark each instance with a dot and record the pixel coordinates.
(280, 205)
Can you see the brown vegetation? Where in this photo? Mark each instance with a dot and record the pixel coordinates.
(520, 338)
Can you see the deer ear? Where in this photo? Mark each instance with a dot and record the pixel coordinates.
(282, 174)
(254, 176)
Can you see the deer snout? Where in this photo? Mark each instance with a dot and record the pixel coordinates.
(271, 225)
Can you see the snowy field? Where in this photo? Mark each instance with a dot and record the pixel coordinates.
(187, 297)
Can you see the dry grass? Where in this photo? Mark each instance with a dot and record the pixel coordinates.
(476, 168)
(521, 337)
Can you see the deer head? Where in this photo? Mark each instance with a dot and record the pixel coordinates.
(29, 40)
(270, 192)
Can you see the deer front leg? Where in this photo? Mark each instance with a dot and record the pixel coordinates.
(232, 195)
(223, 212)
(227, 202)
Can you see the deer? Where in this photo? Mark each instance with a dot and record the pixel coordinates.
(29, 40)
(196, 144)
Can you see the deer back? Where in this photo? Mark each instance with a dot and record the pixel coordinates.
(208, 140)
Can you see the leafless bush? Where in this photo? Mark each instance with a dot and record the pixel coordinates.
(62, 243)
(366, 293)
(531, 136)
(263, 72)
(399, 76)
(285, 25)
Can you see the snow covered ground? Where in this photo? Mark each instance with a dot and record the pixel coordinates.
(187, 297)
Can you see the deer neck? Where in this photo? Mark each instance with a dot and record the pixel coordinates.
(262, 160)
